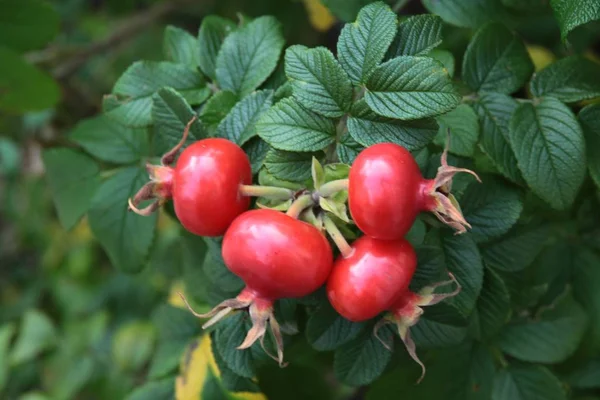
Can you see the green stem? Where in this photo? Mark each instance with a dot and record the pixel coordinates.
(332, 187)
(299, 205)
(269, 192)
(399, 5)
(337, 236)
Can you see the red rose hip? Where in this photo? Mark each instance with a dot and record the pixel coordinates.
(371, 277)
(387, 191)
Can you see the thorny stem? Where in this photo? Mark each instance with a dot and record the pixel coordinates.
(332, 187)
(299, 205)
(340, 241)
(270, 192)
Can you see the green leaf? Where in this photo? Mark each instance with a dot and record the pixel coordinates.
(257, 150)
(417, 35)
(462, 258)
(550, 150)
(37, 334)
(462, 372)
(230, 334)
(131, 100)
(491, 208)
(348, 149)
(549, 338)
(495, 111)
(23, 87)
(326, 330)
(409, 87)
(125, 236)
(317, 173)
(294, 167)
(467, 13)
(217, 107)
(163, 389)
(362, 360)
(525, 382)
(589, 118)
(211, 35)
(289, 126)
(464, 130)
(167, 358)
(217, 272)
(586, 376)
(181, 47)
(368, 128)
(239, 125)
(132, 345)
(496, 61)
(573, 13)
(175, 324)
(445, 57)
(517, 250)
(493, 306)
(73, 179)
(110, 141)
(27, 25)
(363, 44)
(570, 79)
(170, 114)
(7, 331)
(318, 82)
(586, 289)
(429, 334)
(249, 55)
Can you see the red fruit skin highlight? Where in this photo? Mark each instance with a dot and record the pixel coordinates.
(276, 255)
(205, 187)
(371, 278)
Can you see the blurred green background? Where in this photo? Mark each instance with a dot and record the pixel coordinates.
(71, 326)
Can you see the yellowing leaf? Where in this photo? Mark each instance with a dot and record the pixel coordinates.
(196, 364)
(541, 56)
(319, 16)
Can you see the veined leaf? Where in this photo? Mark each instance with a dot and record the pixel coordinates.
(525, 382)
(493, 306)
(348, 149)
(368, 128)
(327, 330)
(570, 79)
(217, 107)
(363, 44)
(131, 101)
(239, 125)
(289, 126)
(417, 35)
(318, 82)
(550, 150)
(289, 166)
(464, 130)
(170, 115)
(249, 55)
(181, 47)
(496, 61)
(491, 208)
(125, 236)
(73, 178)
(573, 13)
(213, 31)
(110, 141)
(467, 13)
(495, 111)
(409, 87)
(517, 250)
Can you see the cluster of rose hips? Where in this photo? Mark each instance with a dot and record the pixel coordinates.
(277, 255)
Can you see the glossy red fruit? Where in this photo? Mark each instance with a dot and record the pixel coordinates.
(371, 278)
(204, 185)
(387, 191)
(277, 257)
